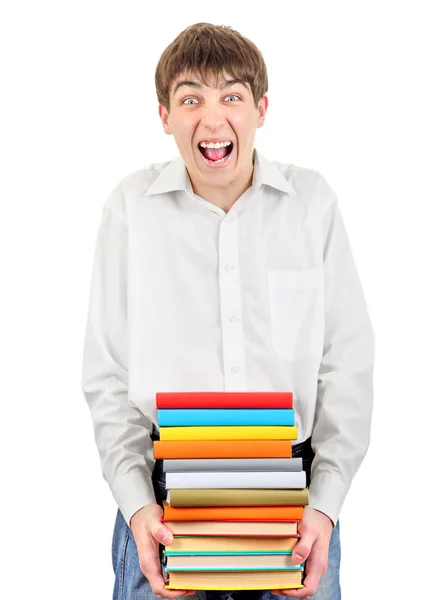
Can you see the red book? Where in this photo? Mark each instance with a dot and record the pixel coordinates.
(224, 400)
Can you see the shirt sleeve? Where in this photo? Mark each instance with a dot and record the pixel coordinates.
(343, 414)
(122, 432)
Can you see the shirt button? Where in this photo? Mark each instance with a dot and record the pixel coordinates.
(232, 318)
(229, 267)
(234, 369)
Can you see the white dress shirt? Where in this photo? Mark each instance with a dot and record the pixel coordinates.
(266, 297)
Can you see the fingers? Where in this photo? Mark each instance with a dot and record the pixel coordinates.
(151, 568)
(315, 567)
(303, 547)
(149, 531)
(300, 554)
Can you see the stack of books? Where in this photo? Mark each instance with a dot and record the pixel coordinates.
(234, 493)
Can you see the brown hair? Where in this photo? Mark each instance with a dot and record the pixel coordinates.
(213, 49)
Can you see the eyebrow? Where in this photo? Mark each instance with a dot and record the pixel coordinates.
(195, 84)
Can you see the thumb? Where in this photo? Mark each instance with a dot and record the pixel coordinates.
(303, 548)
(160, 532)
(163, 535)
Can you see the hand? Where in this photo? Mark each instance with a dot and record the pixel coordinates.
(315, 530)
(148, 531)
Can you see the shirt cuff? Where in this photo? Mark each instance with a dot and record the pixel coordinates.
(132, 491)
(327, 492)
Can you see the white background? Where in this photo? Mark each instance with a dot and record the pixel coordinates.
(355, 93)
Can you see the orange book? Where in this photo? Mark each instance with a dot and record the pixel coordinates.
(220, 449)
(232, 513)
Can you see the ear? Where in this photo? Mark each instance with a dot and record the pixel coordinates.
(261, 111)
(164, 119)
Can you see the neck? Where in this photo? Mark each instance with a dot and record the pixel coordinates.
(225, 197)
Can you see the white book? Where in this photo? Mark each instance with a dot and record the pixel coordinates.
(237, 479)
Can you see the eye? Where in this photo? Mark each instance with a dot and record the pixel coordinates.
(186, 100)
(232, 96)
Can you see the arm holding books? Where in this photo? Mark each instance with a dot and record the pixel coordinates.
(341, 430)
(122, 432)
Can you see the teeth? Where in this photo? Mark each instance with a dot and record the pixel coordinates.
(215, 145)
(220, 159)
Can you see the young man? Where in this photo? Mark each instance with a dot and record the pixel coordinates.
(223, 270)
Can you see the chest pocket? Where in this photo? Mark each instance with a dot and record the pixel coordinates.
(296, 304)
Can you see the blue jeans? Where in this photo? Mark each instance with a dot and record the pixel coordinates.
(131, 584)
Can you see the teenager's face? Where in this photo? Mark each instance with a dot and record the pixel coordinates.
(213, 113)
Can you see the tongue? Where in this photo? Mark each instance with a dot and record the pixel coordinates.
(214, 153)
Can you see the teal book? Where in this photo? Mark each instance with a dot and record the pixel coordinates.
(192, 417)
(244, 561)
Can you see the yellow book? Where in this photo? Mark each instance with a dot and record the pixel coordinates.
(234, 432)
(234, 580)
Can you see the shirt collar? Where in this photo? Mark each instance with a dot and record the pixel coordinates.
(175, 177)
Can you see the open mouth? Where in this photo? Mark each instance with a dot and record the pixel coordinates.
(216, 155)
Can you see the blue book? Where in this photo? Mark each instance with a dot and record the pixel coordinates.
(182, 417)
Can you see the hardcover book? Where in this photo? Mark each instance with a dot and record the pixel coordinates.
(234, 528)
(182, 544)
(237, 479)
(239, 562)
(235, 580)
(224, 400)
(237, 497)
(220, 449)
(240, 432)
(232, 513)
(231, 464)
(174, 417)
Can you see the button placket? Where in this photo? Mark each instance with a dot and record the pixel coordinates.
(230, 306)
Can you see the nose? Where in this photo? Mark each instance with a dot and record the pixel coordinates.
(213, 116)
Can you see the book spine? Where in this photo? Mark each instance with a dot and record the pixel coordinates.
(241, 432)
(176, 417)
(220, 449)
(224, 400)
(220, 464)
(186, 497)
(243, 568)
(235, 513)
(226, 553)
(272, 480)
(280, 586)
